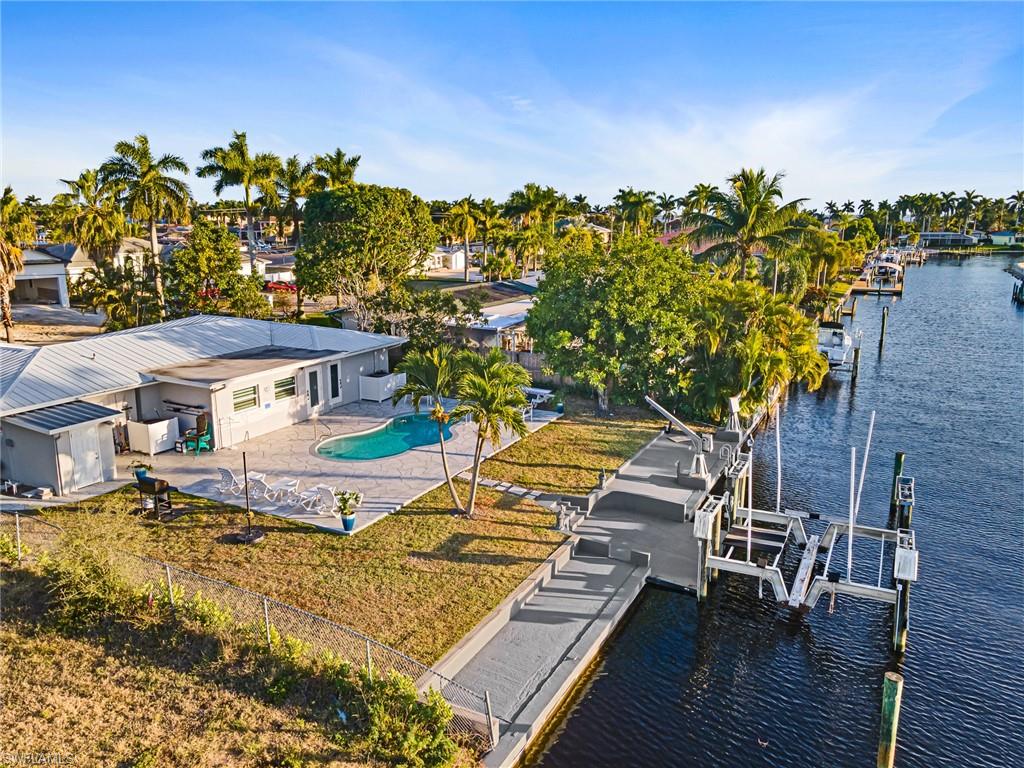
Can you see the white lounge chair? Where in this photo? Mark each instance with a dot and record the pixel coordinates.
(230, 483)
(328, 502)
(310, 500)
(284, 489)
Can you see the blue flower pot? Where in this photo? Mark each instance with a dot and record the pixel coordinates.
(348, 522)
(140, 473)
(560, 408)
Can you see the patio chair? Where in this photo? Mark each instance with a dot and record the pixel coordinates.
(284, 489)
(310, 500)
(230, 483)
(198, 439)
(328, 502)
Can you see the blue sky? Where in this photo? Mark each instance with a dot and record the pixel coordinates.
(850, 100)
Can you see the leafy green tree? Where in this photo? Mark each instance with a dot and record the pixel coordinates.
(425, 318)
(148, 191)
(201, 274)
(16, 228)
(433, 374)
(235, 166)
(747, 221)
(490, 392)
(360, 239)
(246, 298)
(617, 318)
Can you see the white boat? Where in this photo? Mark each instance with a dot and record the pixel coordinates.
(835, 343)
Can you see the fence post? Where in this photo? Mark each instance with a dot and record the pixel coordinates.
(170, 589)
(17, 534)
(369, 661)
(492, 724)
(266, 619)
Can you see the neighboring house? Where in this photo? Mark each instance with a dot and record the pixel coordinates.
(1005, 237)
(47, 272)
(940, 239)
(65, 408)
(442, 258)
(280, 268)
(503, 326)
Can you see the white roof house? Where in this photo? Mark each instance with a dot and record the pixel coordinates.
(96, 395)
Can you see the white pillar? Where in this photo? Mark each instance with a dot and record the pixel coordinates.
(62, 291)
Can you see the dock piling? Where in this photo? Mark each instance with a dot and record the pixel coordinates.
(885, 322)
(894, 498)
(892, 694)
(856, 363)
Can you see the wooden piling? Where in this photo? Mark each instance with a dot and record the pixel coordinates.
(856, 363)
(894, 505)
(885, 322)
(902, 617)
(892, 694)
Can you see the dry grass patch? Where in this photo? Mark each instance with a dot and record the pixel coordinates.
(99, 705)
(417, 580)
(567, 456)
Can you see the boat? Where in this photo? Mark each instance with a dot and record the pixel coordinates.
(835, 343)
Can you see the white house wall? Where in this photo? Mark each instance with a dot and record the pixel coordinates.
(28, 457)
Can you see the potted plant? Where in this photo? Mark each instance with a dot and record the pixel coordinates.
(140, 469)
(348, 502)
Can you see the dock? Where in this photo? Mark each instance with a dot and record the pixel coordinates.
(864, 286)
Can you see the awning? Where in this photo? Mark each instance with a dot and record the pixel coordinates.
(60, 418)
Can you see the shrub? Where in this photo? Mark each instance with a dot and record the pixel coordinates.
(402, 730)
(86, 589)
(9, 549)
(206, 613)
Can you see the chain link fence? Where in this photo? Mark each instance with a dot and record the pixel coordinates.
(252, 613)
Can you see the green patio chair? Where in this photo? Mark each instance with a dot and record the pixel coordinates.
(198, 439)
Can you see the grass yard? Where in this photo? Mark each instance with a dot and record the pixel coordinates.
(123, 702)
(567, 456)
(417, 580)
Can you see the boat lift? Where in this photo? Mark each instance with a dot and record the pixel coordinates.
(755, 540)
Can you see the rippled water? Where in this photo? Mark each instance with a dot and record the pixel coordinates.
(740, 682)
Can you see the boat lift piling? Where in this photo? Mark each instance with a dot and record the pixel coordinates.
(881, 336)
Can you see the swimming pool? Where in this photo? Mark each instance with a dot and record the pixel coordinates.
(397, 436)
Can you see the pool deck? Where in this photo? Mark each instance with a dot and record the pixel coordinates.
(387, 484)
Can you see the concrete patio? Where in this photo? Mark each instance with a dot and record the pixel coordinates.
(386, 484)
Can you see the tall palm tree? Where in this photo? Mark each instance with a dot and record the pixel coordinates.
(579, 205)
(293, 183)
(16, 228)
(149, 191)
(334, 170)
(698, 199)
(89, 215)
(831, 208)
(848, 207)
(462, 225)
(433, 374)
(1016, 205)
(491, 395)
(666, 205)
(235, 166)
(637, 208)
(489, 221)
(967, 204)
(865, 207)
(749, 219)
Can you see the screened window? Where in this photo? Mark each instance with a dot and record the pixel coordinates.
(284, 388)
(244, 399)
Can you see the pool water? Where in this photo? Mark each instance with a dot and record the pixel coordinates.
(397, 436)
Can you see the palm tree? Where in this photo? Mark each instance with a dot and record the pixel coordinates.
(831, 208)
(462, 225)
(491, 395)
(848, 207)
(698, 199)
(637, 208)
(967, 204)
(579, 205)
(293, 183)
(1016, 205)
(234, 166)
(334, 170)
(865, 207)
(120, 292)
(433, 374)
(89, 215)
(747, 220)
(149, 192)
(666, 205)
(489, 221)
(16, 228)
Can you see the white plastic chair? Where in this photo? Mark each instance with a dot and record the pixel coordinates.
(283, 490)
(229, 483)
(310, 500)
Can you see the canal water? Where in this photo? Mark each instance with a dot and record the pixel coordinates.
(740, 682)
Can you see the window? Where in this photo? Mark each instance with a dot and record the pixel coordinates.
(244, 399)
(284, 388)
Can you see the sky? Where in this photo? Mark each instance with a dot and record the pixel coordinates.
(849, 100)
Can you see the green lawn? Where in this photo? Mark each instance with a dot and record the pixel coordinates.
(417, 580)
(567, 456)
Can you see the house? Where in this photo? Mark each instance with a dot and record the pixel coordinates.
(442, 258)
(940, 239)
(1005, 237)
(67, 409)
(503, 326)
(48, 270)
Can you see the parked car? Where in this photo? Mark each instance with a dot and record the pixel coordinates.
(279, 287)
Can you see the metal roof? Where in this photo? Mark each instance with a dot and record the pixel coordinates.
(58, 418)
(109, 362)
(212, 370)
